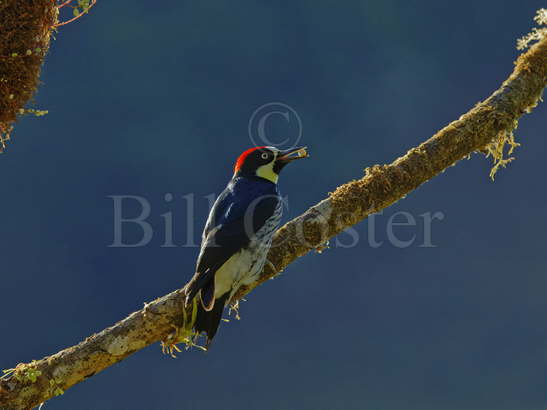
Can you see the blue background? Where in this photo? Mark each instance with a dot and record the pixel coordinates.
(148, 98)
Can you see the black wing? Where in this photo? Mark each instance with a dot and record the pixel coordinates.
(238, 213)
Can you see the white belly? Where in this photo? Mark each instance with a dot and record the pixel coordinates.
(241, 269)
(244, 267)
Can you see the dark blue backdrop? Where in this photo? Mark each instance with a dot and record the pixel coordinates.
(148, 98)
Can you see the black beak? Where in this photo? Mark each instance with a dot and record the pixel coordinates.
(291, 154)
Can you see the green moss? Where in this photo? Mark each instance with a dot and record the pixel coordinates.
(24, 41)
(23, 372)
(54, 387)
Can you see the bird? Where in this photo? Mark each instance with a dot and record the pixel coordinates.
(238, 234)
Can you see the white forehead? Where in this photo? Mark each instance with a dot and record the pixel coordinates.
(273, 149)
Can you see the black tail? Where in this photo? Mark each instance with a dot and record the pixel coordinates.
(208, 320)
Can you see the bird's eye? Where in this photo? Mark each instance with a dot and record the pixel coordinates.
(265, 155)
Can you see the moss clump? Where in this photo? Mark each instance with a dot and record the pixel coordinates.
(23, 372)
(537, 33)
(496, 149)
(55, 389)
(24, 41)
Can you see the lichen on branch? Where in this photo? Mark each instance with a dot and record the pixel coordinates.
(537, 33)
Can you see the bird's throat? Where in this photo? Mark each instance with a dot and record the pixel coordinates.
(267, 172)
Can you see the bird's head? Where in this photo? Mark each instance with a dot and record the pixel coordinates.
(266, 162)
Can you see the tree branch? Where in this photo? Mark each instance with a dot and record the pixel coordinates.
(484, 128)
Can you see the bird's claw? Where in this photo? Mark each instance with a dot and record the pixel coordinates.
(183, 334)
(170, 349)
(235, 308)
(169, 344)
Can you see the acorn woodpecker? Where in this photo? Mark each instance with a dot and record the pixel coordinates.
(238, 233)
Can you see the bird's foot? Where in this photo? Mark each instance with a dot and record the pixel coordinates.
(182, 334)
(169, 344)
(179, 335)
(235, 308)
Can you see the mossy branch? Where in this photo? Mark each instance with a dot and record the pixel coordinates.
(489, 122)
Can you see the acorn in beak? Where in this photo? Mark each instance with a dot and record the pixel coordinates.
(290, 155)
